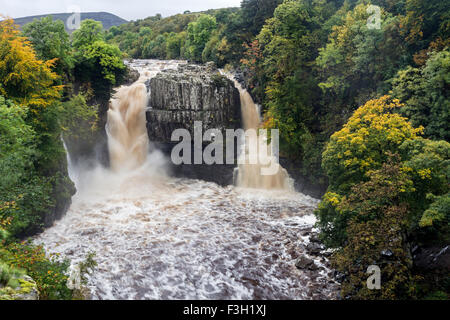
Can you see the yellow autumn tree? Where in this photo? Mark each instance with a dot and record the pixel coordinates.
(24, 78)
(360, 147)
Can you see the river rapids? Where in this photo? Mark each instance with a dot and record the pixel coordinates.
(159, 237)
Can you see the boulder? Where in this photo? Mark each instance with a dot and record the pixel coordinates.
(305, 263)
(27, 290)
(314, 248)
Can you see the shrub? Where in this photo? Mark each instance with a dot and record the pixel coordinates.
(48, 273)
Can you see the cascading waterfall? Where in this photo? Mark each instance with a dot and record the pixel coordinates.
(247, 174)
(157, 237)
(126, 127)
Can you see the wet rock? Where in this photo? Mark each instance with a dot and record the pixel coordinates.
(305, 263)
(191, 93)
(27, 290)
(313, 267)
(305, 232)
(327, 253)
(433, 258)
(131, 76)
(339, 276)
(314, 238)
(314, 248)
(387, 253)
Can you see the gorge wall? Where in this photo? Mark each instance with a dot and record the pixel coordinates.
(191, 93)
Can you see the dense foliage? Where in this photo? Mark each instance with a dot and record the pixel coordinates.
(388, 187)
(45, 84)
(361, 102)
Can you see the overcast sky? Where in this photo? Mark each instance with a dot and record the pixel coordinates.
(127, 9)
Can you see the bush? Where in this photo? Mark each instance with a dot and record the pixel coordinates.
(361, 146)
(48, 273)
(376, 233)
(425, 94)
(388, 189)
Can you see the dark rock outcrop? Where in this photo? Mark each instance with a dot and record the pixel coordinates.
(131, 76)
(222, 174)
(432, 258)
(305, 263)
(191, 93)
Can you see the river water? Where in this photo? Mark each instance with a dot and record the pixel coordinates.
(159, 237)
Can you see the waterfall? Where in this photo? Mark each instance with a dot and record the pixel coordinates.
(249, 175)
(126, 127)
(128, 142)
(157, 237)
(70, 167)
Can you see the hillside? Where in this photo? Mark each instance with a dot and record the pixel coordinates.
(107, 19)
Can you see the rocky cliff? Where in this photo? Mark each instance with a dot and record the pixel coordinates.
(191, 93)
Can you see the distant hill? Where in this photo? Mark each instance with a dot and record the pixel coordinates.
(107, 19)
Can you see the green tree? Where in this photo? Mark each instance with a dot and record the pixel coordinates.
(357, 60)
(288, 43)
(198, 35)
(425, 94)
(374, 130)
(428, 165)
(425, 21)
(255, 13)
(175, 42)
(30, 83)
(377, 235)
(155, 48)
(89, 32)
(50, 41)
(97, 62)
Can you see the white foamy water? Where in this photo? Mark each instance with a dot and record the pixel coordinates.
(248, 174)
(157, 237)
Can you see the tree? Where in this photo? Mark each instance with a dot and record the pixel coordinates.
(30, 83)
(175, 41)
(377, 235)
(198, 34)
(108, 57)
(428, 163)
(23, 77)
(362, 146)
(425, 21)
(89, 32)
(155, 48)
(425, 94)
(50, 41)
(288, 43)
(362, 143)
(17, 146)
(23, 194)
(256, 12)
(357, 60)
(210, 51)
(388, 190)
(96, 62)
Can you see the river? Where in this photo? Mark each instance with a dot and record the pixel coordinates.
(160, 237)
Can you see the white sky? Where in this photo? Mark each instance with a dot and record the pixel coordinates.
(126, 9)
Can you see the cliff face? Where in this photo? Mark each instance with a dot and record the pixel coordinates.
(191, 93)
